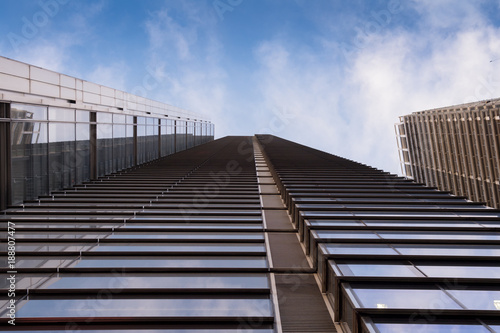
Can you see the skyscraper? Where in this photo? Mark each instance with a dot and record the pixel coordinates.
(246, 234)
(455, 149)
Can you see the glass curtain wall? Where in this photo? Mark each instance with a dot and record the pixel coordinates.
(141, 140)
(180, 135)
(190, 134)
(119, 142)
(167, 137)
(104, 143)
(62, 150)
(29, 152)
(51, 146)
(82, 154)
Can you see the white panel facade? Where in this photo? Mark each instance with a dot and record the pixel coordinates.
(8, 66)
(43, 75)
(26, 83)
(14, 83)
(44, 89)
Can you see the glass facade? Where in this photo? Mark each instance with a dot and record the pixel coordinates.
(151, 249)
(51, 148)
(392, 255)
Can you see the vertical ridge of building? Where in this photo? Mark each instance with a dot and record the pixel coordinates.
(299, 300)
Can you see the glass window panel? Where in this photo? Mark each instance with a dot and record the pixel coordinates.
(29, 160)
(104, 148)
(189, 235)
(82, 153)
(490, 224)
(477, 272)
(439, 235)
(216, 262)
(433, 224)
(61, 235)
(119, 119)
(431, 328)
(145, 308)
(119, 146)
(335, 223)
(43, 262)
(25, 111)
(194, 226)
(121, 281)
(344, 234)
(405, 299)
(47, 247)
(82, 116)
(449, 250)
(378, 270)
(104, 117)
(60, 114)
(62, 157)
(107, 330)
(478, 299)
(495, 327)
(359, 249)
(182, 248)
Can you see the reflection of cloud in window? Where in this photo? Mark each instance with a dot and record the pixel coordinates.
(406, 299)
(431, 328)
(477, 272)
(146, 308)
(166, 281)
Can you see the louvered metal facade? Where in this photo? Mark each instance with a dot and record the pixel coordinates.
(455, 149)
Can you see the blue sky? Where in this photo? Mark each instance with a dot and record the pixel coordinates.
(331, 74)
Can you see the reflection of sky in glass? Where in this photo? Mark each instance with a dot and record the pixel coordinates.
(335, 223)
(405, 299)
(359, 249)
(481, 272)
(449, 250)
(184, 248)
(175, 262)
(160, 331)
(377, 270)
(145, 308)
(44, 247)
(478, 299)
(343, 234)
(164, 281)
(434, 224)
(60, 235)
(430, 328)
(31, 262)
(194, 226)
(189, 235)
(439, 235)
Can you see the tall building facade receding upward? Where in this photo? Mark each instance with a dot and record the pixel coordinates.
(236, 235)
(455, 149)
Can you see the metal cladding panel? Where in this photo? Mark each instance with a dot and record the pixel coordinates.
(44, 89)
(43, 75)
(15, 68)
(68, 93)
(9, 82)
(302, 308)
(91, 98)
(68, 81)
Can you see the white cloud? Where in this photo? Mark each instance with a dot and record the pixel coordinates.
(185, 53)
(350, 111)
(113, 75)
